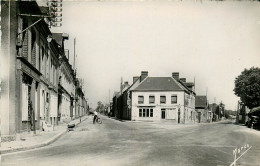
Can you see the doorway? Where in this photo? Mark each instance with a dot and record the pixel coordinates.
(179, 115)
(163, 113)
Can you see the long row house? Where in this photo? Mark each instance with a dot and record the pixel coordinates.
(160, 99)
(39, 86)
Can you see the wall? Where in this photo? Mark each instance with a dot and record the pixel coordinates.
(157, 106)
(8, 65)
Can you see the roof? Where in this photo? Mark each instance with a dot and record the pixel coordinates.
(134, 84)
(58, 37)
(159, 84)
(44, 9)
(125, 88)
(189, 83)
(200, 101)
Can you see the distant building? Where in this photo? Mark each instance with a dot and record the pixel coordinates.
(204, 114)
(156, 99)
(242, 113)
(66, 94)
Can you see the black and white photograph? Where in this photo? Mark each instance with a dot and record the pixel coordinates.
(130, 83)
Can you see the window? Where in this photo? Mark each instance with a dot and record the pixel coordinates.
(145, 112)
(163, 99)
(33, 47)
(47, 98)
(151, 112)
(140, 99)
(151, 99)
(174, 99)
(43, 53)
(140, 112)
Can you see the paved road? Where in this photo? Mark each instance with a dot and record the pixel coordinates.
(131, 143)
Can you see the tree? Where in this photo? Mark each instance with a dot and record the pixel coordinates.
(100, 107)
(247, 87)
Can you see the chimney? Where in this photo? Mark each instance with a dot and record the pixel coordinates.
(175, 75)
(125, 85)
(135, 78)
(183, 79)
(144, 74)
(190, 85)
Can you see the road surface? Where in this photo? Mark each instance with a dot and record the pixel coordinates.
(116, 143)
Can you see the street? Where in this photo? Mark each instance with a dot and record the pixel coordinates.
(144, 143)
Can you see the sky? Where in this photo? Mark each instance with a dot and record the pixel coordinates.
(211, 42)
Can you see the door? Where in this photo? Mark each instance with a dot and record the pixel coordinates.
(163, 113)
(179, 115)
(199, 116)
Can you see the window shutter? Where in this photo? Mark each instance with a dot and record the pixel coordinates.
(25, 45)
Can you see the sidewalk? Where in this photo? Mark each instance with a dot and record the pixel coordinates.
(29, 141)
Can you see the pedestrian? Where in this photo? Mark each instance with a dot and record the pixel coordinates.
(95, 117)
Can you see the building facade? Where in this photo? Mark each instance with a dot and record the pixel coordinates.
(163, 98)
(156, 99)
(66, 82)
(203, 113)
(30, 70)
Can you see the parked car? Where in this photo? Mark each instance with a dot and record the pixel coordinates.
(253, 122)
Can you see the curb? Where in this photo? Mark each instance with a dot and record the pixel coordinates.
(48, 142)
(45, 143)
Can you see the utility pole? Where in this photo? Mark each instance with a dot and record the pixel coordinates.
(108, 101)
(194, 85)
(74, 63)
(76, 82)
(206, 92)
(121, 85)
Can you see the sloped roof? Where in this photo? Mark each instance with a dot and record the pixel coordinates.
(134, 85)
(125, 88)
(44, 9)
(159, 84)
(200, 101)
(189, 83)
(58, 37)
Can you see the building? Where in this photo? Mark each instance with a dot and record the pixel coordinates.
(114, 111)
(30, 65)
(242, 113)
(66, 82)
(204, 114)
(156, 99)
(31, 61)
(80, 100)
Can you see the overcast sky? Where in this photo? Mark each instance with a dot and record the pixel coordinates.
(211, 41)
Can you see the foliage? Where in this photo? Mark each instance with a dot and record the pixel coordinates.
(247, 87)
(100, 107)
